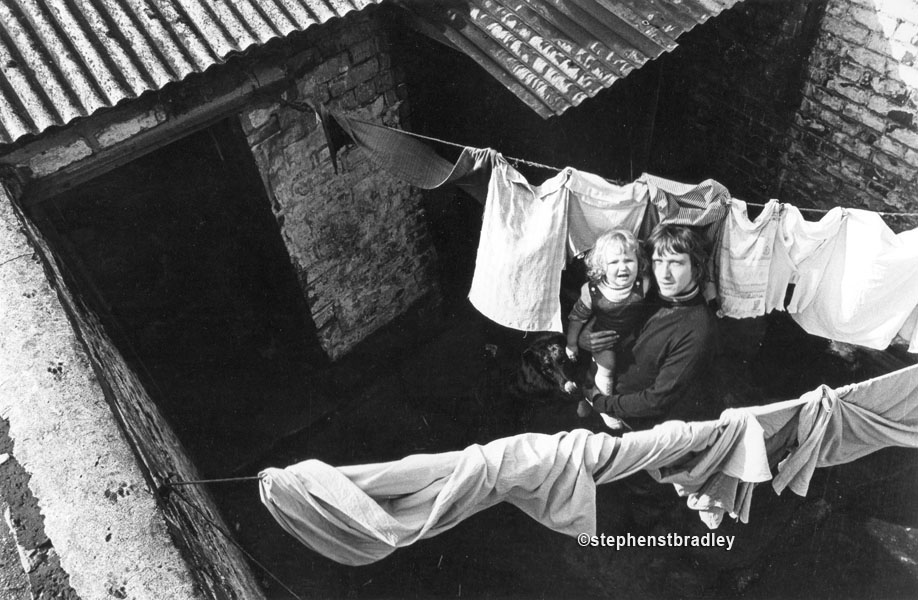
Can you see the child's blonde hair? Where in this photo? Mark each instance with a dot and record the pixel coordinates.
(615, 239)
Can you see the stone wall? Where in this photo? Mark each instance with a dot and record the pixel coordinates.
(855, 140)
(65, 395)
(729, 94)
(810, 102)
(358, 239)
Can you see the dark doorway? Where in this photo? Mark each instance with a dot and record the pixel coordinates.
(181, 257)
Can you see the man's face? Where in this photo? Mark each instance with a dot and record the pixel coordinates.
(673, 272)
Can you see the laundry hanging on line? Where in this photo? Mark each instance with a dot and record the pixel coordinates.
(360, 514)
(517, 275)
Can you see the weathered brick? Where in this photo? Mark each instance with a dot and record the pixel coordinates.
(333, 67)
(879, 104)
(868, 58)
(58, 157)
(363, 50)
(851, 72)
(828, 100)
(911, 157)
(893, 166)
(846, 30)
(862, 116)
(348, 101)
(338, 86)
(363, 72)
(853, 93)
(118, 132)
(908, 137)
(365, 92)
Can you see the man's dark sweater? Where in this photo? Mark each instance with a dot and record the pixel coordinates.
(666, 375)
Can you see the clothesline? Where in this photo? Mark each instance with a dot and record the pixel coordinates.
(518, 161)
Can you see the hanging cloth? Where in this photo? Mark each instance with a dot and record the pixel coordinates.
(360, 514)
(521, 251)
(744, 258)
(411, 160)
(596, 206)
(868, 285)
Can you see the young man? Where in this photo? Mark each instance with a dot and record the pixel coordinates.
(667, 371)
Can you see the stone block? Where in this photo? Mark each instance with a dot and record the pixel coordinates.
(891, 146)
(907, 137)
(865, 17)
(850, 72)
(879, 104)
(365, 71)
(846, 30)
(868, 58)
(348, 100)
(58, 157)
(850, 91)
(894, 166)
(863, 116)
(365, 93)
(384, 82)
(256, 117)
(122, 130)
(879, 43)
(333, 67)
(361, 51)
(338, 86)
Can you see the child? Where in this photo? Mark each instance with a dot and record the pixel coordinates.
(613, 295)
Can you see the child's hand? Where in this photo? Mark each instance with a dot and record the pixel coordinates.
(571, 352)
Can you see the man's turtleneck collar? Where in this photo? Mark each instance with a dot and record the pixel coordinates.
(689, 298)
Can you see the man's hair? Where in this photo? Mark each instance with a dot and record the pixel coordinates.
(679, 239)
(615, 239)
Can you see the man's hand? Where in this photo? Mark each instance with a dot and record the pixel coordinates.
(595, 341)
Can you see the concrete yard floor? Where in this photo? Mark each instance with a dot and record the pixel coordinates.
(852, 537)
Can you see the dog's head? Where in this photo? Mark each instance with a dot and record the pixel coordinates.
(546, 366)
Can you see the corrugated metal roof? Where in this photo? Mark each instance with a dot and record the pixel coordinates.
(65, 59)
(554, 54)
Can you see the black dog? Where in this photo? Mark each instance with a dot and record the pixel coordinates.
(545, 368)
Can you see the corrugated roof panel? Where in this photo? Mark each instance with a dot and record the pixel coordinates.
(554, 54)
(65, 59)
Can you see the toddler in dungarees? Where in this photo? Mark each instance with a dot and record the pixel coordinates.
(613, 296)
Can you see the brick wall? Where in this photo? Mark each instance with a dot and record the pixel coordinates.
(810, 102)
(855, 140)
(729, 93)
(358, 239)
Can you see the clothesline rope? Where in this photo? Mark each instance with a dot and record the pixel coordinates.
(551, 168)
(229, 537)
(199, 481)
(519, 161)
